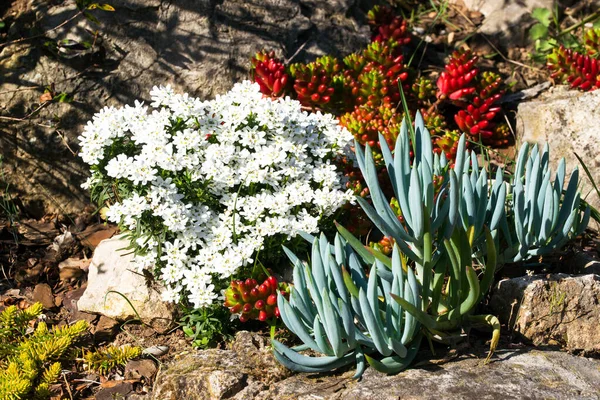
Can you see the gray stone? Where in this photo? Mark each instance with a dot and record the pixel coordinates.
(238, 373)
(114, 289)
(199, 47)
(569, 121)
(247, 371)
(137, 369)
(509, 20)
(557, 309)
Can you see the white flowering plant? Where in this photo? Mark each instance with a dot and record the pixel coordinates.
(203, 186)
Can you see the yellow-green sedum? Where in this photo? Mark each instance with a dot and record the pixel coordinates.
(106, 360)
(31, 361)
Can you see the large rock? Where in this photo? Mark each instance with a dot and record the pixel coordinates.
(552, 310)
(248, 372)
(198, 46)
(569, 121)
(238, 373)
(507, 19)
(115, 289)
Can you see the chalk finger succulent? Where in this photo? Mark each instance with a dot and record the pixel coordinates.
(339, 311)
(447, 233)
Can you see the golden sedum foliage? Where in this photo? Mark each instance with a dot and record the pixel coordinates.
(30, 362)
(104, 361)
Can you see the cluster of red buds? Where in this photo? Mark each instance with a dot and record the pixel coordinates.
(455, 81)
(578, 70)
(270, 74)
(364, 90)
(254, 301)
(314, 83)
(476, 94)
(387, 26)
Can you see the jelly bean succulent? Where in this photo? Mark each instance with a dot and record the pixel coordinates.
(364, 89)
(580, 67)
(251, 300)
(270, 74)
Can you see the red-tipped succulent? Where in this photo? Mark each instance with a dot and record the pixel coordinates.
(591, 42)
(254, 301)
(580, 71)
(314, 82)
(455, 81)
(477, 95)
(387, 26)
(270, 74)
(366, 122)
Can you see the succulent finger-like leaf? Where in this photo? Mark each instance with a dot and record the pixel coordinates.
(348, 322)
(456, 279)
(427, 186)
(356, 272)
(521, 161)
(361, 365)
(384, 273)
(321, 337)
(402, 180)
(332, 323)
(473, 294)
(340, 251)
(416, 206)
(381, 205)
(398, 347)
(293, 258)
(374, 325)
(454, 207)
(336, 274)
(306, 313)
(489, 321)
(490, 265)
(396, 364)
(410, 322)
(569, 198)
(289, 364)
(315, 362)
(498, 208)
(293, 322)
(313, 289)
(421, 316)
(460, 157)
(382, 224)
(352, 288)
(317, 267)
(389, 163)
(356, 244)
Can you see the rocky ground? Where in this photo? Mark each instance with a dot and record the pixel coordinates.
(46, 248)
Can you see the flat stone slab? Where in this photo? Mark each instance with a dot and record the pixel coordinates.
(247, 372)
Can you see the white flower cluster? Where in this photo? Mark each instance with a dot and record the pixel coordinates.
(262, 168)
